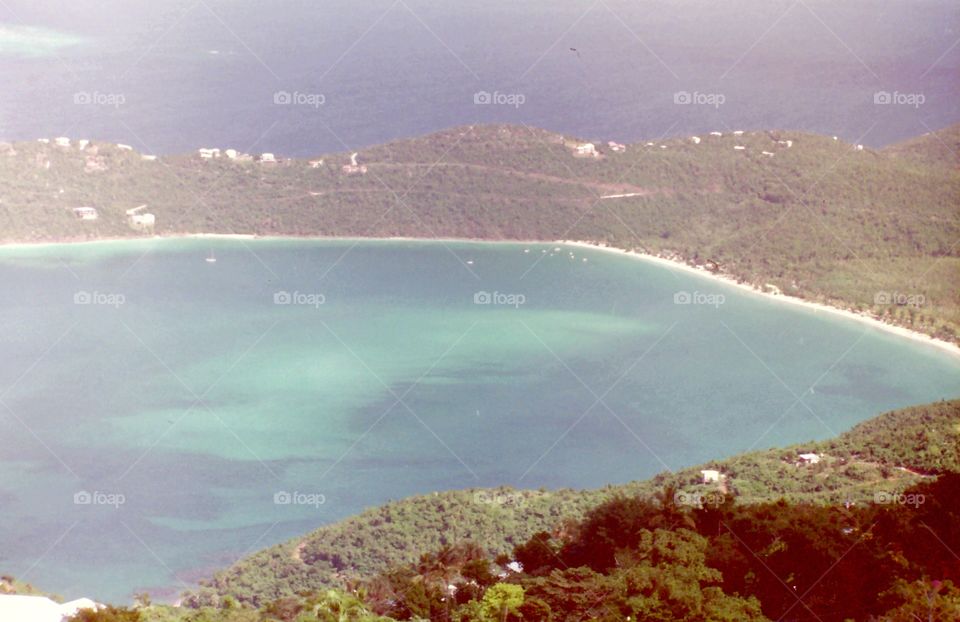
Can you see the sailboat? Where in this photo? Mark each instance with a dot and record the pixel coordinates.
(211, 258)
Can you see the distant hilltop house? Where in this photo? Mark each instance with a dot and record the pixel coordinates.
(738, 132)
(231, 153)
(859, 147)
(316, 163)
(123, 147)
(695, 140)
(769, 154)
(61, 141)
(19, 608)
(716, 133)
(808, 458)
(85, 213)
(739, 147)
(82, 144)
(354, 168)
(208, 153)
(588, 150)
(787, 143)
(616, 147)
(267, 158)
(148, 158)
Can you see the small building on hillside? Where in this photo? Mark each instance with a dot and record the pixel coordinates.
(267, 158)
(710, 476)
(316, 163)
(142, 222)
(616, 147)
(208, 153)
(738, 132)
(123, 147)
(588, 150)
(82, 144)
(716, 133)
(231, 153)
(786, 143)
(354, 168)
(809, 458)
(85, 213)
(695, 140)
(739, 147)
(61, 141)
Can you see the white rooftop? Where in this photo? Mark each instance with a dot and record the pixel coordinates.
(17, 608)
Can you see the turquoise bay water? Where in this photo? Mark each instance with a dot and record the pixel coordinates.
(186, 389)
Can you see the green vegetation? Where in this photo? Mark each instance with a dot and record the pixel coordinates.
(873, 231)
(655, 560)
(809, 541)
(882, 456)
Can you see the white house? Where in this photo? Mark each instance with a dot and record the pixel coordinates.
(82, 143)
(695, 140)
(859, 147)
(18, 608)
(148, 158)
(45, 141)
(267, 157)
(649, 144)
(85, 213)
(123, 147)
(769, 154)
(788, 143)
(586, 149)
(316, 163)
(207, 153)
(716, 133)
(617, 147)
(61, 141)
(710, 475)
(738, 132)
(231, 153)
(809, 458)
(739, 147)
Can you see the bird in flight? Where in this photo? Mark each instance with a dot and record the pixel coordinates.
(575, 50)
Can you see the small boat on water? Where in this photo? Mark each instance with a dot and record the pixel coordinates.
(211, 258)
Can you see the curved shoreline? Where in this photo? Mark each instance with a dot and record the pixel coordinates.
(901, 331)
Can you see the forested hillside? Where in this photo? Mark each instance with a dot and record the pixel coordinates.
(873, 231)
